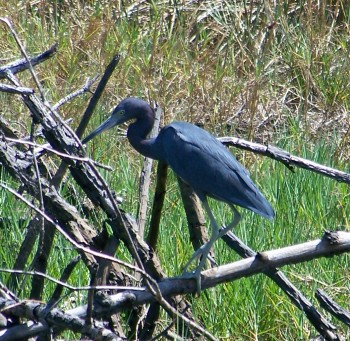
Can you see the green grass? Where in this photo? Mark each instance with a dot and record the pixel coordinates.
(306, 205)
(220, 66)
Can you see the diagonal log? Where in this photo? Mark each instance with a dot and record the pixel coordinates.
(325, 328)
(19, 165)
(333, 307)
(63, 139)
(317, 320)
(331, 244)
(44, 319)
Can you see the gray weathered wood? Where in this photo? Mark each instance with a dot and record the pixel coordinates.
(287, 159)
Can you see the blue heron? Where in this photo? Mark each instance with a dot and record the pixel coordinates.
(196, 157)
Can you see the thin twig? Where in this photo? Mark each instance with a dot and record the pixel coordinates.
(71, 287)
(57, 179)
(7, 294)
(24, 53)
(63, 155)
(76, 93)
(66, 235)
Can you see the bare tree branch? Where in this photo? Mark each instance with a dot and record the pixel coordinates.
(332, 307)
(287, 159)
(88, 113)
(15, 89)
(22, 64)
(332, 243)
(76, 93)
(43, 319)
(145, 179)
(158, 201)
(26, 57)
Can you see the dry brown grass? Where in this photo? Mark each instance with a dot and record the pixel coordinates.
(221, 64)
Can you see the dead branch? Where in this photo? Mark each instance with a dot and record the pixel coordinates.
(332, 243)
(286, 158)
(320, 323)
(87, 114)
(69, 97)
(195, 216)
(22, 64)
(145, 179)
(43, 319)
(20, 46)
(15, 89)
(158, 201)
(332, 307)
(32, 173)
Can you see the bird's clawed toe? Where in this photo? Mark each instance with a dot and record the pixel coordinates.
(196, 275)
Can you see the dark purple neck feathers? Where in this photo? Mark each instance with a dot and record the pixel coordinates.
(138, 132)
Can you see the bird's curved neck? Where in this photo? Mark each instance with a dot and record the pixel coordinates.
(137, 136)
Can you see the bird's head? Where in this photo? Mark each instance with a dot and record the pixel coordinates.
(128, 109)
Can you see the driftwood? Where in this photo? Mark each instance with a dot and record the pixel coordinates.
(331, 243)
(65, 144)
(19, 156)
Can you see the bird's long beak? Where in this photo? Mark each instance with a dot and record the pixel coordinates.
(113, 120)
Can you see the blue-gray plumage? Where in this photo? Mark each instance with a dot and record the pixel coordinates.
(198, 158)
(209, 167)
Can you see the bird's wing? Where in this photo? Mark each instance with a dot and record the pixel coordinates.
(208, 166)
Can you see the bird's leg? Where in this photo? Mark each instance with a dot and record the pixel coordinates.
(215, 230)
(232, 224)
(215, 235)
(204, 250)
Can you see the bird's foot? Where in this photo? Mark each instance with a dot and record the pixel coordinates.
(203, 254)
(212, 261)
(197, 276)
